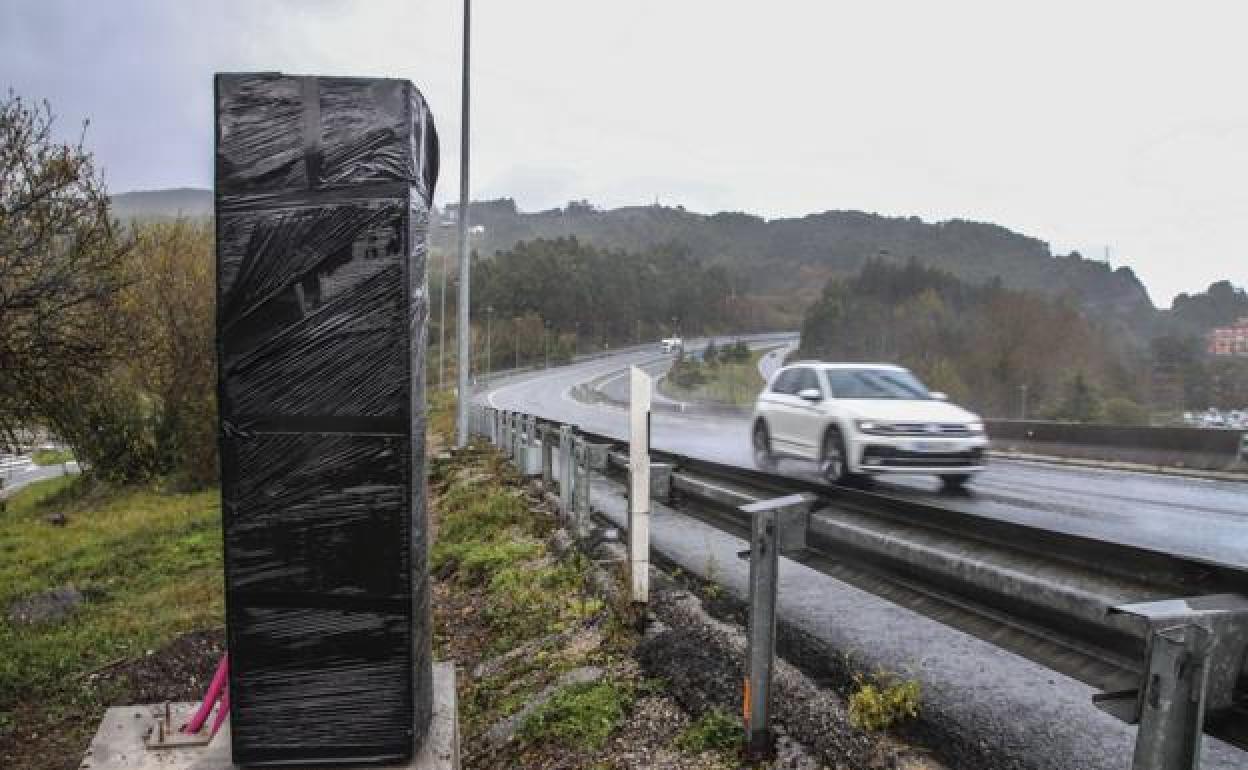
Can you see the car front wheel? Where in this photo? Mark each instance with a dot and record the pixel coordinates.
(833, 461)
(764, 458)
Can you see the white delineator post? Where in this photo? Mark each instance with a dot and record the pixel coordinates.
(639, 483)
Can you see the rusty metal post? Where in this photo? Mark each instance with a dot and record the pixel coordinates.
(776, 525)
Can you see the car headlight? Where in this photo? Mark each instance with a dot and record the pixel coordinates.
(975, 427)
(871, 426)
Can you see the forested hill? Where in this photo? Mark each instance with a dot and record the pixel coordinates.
(795, 256)
(785, 260)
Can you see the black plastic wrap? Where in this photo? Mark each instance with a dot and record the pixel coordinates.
(323, 188)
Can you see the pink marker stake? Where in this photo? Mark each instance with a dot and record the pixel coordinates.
(210, 698)
(222, 713)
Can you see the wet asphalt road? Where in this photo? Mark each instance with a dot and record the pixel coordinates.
(1195, 518)
(17, 479)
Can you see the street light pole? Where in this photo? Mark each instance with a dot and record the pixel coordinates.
(465, 266)
(442, 326)
(546, 341)
(489, 317)
(515, 327)
(1022, 406)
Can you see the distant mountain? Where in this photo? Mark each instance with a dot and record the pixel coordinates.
(793, 258)
(189, 202)
(1219, 305)
(785, 261)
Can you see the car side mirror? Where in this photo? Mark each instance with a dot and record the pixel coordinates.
(939, 395)
(810, 394)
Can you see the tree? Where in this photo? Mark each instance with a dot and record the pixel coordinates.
(60, 271)
(1081, 402)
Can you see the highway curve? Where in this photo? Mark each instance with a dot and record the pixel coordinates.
(1191, 517)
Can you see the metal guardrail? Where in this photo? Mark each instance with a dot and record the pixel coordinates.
(1165, 637)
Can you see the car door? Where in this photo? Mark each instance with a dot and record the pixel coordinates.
(774, 408)
(805, 418)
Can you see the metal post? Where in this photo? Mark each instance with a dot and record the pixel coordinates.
(1173, 707)
(489, 318)
(580, 490)
(777, 526)
(548, 458)
(465, 266)
(518, 442)
(442, 326)
(761, 645)
(639, 483)
(565, 469)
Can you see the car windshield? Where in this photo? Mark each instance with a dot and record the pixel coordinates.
(875, 383)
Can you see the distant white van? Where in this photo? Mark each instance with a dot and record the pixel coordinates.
(672, 345)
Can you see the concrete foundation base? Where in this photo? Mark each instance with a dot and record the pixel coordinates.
(118, 745)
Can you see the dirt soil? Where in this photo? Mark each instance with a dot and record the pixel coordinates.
(43, 739)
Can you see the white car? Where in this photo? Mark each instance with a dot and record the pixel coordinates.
(861, 419)
(672, 344)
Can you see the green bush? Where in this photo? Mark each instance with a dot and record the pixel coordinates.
(881, 701)
(714, 731)
(580, 715)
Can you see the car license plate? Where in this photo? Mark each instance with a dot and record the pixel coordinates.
(929, 446)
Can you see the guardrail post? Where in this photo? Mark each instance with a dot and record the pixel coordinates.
(777, 526)
(565, 470)
(580, 489)
(1173, 708)
(639, 483)
(661, 482)
(517, 440)
(548, 457)
(1197, 647)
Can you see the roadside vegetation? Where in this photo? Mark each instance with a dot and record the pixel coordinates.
(106, 328)
(51, 456)
(96, 583)
(723, 375)
(547, 676)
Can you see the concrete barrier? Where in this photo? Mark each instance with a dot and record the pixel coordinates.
(1201, 448)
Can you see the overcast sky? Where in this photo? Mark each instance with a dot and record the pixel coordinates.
(1086, 124)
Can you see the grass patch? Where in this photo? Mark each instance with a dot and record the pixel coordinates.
(581, 715)
(725, 382)
(52, 456)
(881, 701)
(714, 731)
(149, 565)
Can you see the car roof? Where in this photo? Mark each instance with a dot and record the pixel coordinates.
(845, 365)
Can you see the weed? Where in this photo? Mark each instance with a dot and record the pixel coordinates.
(714, 731)
(52, 456)
(881, 701)
(580, 715)
(712, 590)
